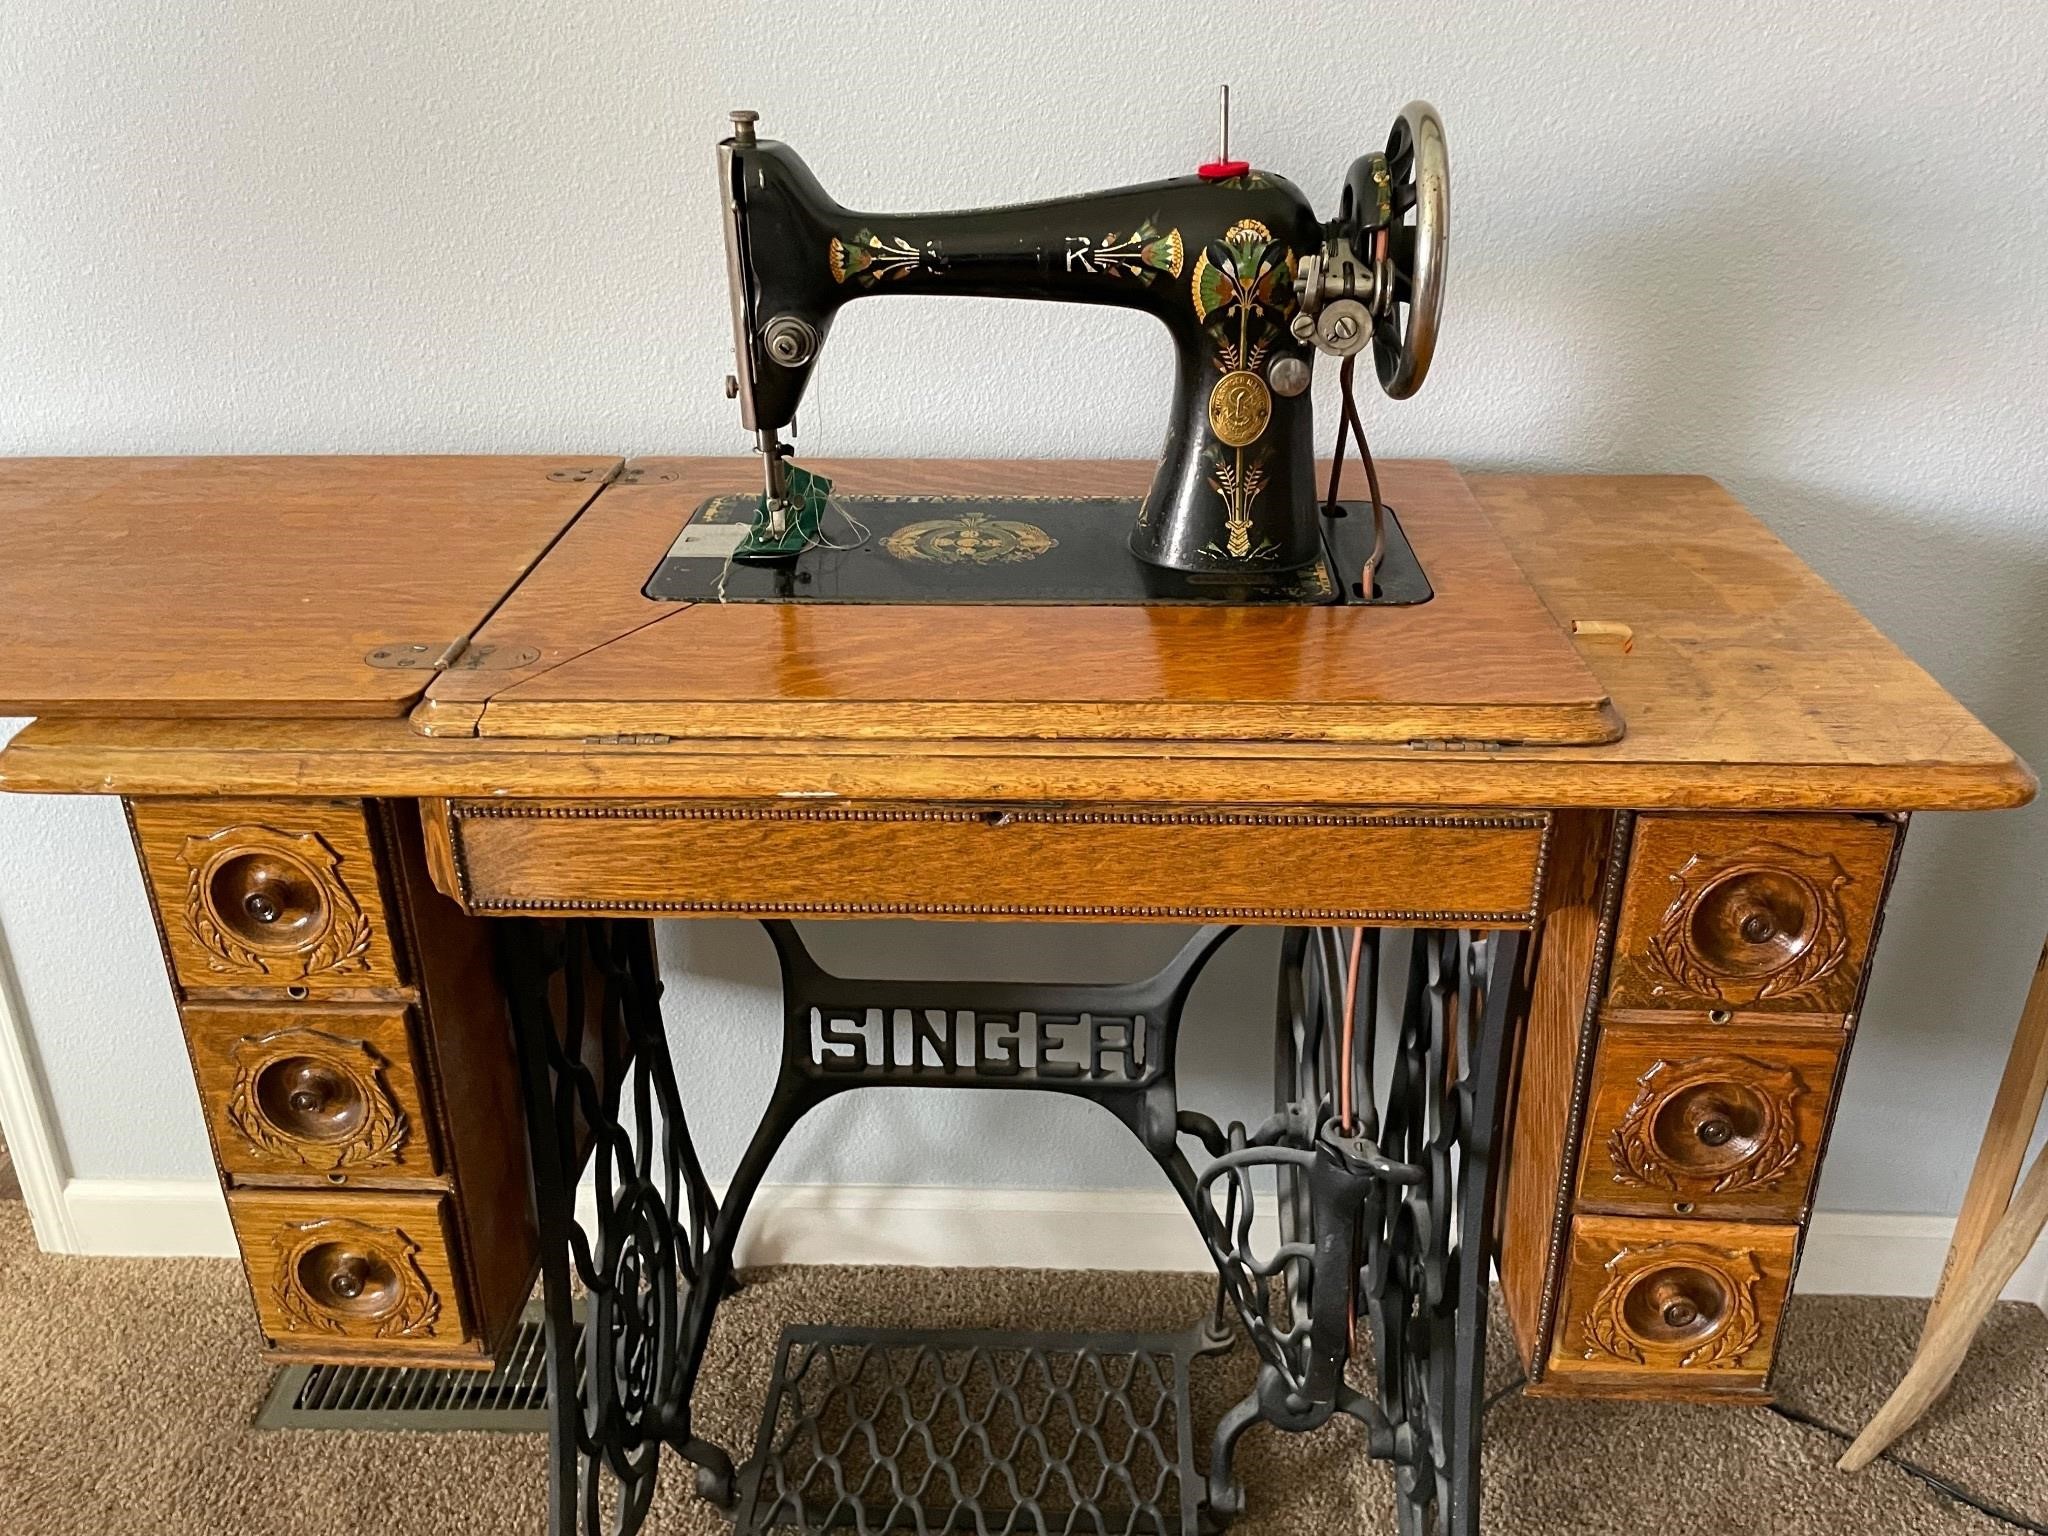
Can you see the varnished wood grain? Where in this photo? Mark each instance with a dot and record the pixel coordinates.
(1662, 1097)
(1737, 695)
(257, 586)
(480, 1109)
(396, 1245)
(1625, 1271)
(1543, 1097)
(1483, 660)
(1813, 885)
(315, 860)
(439, 1050)
(366, 1118)
(1740, 654)
(387, 758)
(1274, 865)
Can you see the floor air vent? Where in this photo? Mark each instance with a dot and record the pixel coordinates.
(513, 1397)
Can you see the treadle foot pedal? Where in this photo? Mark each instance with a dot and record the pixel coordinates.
(921, 1430)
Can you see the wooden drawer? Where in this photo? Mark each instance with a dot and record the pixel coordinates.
(1706, 1122)
(262, 899)
(1750, 915)
(1672, 1307)
(1267, 865)
(333, 1092)
(353, 1276)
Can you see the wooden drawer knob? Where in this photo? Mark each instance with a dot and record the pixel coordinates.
(346, 1277)
(1675, 1305)
(1762, 923)
(1710, 1125)
(315, 1098)
(311, 1100)
(271, 901)
(267, 899)
(347, 1281)
(1752, 922)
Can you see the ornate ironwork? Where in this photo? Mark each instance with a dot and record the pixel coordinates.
(601, 1094)
(1384, 1198)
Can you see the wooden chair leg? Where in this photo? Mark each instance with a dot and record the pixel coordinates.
(1941, 1352)
(2013, 1114)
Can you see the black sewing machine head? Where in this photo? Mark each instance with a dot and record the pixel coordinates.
(1234, 261)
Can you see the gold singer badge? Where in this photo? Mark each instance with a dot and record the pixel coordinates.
(972, 538)
(1239, 407)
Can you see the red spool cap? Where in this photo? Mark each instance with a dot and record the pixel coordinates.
(1223, 170)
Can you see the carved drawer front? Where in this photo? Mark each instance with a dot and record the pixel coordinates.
(1706, 1123)
(333, 1093)
(1684, 1306)
(268, 898)
(1750, 915)
(350, 1276)
(952, 860)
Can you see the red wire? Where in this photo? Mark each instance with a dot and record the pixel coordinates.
(1344, 1116)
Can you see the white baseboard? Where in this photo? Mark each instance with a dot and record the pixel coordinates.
(1855, 1254)
(148, 1218)
(29, 1123)
(970, 1228)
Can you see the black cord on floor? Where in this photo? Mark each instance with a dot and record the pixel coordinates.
(1946, 1487)
(1500, 1392)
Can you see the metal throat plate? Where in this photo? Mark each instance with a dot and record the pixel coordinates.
(1009, 549)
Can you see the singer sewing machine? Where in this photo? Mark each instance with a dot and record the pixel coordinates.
(1249, 283)
(1575, 801)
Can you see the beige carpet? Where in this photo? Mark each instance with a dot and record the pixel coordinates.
(126, 1389)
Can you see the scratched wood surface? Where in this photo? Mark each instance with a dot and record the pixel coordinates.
(1750, 684)
(1483, 660)
(257, 586)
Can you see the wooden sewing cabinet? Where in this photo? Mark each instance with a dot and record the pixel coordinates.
(359, 707)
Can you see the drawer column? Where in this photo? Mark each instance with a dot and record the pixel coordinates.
(354, 1062)
(1701, 974)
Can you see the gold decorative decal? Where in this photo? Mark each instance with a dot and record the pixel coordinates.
(270, 901)
(1681, 1305)
(1239, 407)
(1712, 1125)
(315, 1098)
(1142, 253)
(868, 257)
(345, 1277)
(1245, 275)
(1237, 268)
(1763, 923)
(972, 538)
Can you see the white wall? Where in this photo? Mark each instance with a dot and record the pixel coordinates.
(1798, 247)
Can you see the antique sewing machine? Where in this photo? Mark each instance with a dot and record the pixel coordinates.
(1572, 933)
(1250, 284)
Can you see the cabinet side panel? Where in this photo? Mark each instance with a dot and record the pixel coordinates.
(1547, 1070)
(468, 1037)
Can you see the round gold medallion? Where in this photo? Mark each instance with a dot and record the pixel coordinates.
(1239, 407)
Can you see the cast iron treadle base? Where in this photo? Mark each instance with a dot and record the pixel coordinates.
(920, 1430)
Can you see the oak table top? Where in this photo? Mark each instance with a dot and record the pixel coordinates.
(1737, 677)
(259, 586)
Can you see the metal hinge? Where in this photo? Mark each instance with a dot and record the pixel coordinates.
(629, 739)
(1444, 744)
(456, 655)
